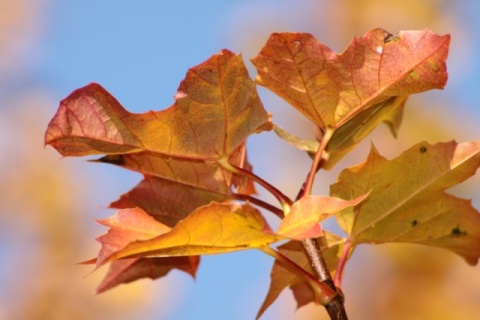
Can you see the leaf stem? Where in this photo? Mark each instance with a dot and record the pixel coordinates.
(335, 308)
(244, 197)
(341, 264)
(318, 157)
(323, 292)
(285, 201)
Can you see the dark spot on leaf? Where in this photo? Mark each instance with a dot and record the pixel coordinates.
(390, 37)
(457, 232)
(423, 149)
(414, 223)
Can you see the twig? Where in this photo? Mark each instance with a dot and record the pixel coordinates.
(323, 292)
(285, 201)
(335, 308)
(244, 197)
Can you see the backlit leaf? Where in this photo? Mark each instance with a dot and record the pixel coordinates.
(408, 202)
(216, 108)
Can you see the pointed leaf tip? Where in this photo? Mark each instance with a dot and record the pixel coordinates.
(126, 226)
(305, 215)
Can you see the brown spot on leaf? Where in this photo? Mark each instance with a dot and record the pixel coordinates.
(457, 232)
(414, 223)
(423, 149)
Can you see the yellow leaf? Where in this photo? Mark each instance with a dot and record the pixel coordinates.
(211, 229)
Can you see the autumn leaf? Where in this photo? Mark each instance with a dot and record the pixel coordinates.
(211, 229)
(282, 278)
(408, 202)
(333, 89)
(305, 215)
(216, 108)
(128, 270)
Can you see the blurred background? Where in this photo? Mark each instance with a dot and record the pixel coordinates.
(139, 53)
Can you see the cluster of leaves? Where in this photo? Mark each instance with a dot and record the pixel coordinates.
(197, 195)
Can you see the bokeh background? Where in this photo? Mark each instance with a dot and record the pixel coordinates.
(140, 51)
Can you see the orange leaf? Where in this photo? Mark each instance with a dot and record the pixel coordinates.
(408, 202)
(211, 229)
(303, 220)
(216, 109)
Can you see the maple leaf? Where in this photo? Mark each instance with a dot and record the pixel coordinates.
(332, 90)
(408, 202)
(211, 229)
(216, 108)
(282, 278)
